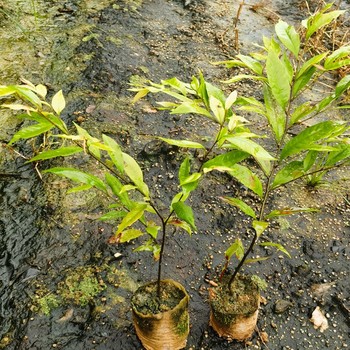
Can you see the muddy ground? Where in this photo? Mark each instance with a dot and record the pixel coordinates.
(50, 240)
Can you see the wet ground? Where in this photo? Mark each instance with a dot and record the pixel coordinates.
(61, 284)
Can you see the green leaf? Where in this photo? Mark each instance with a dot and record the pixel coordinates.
(218, 109)
(182, 224)
(240, 205)
(290, 172)
(133, 170)
(313, 61)
(245, 176)
(182, 143)
(301, 112)
(140, 94)
(17, 107)
(278, 78)
(7, 90)
(27, 94)
(31, 131)
(130, 218)
(309, 160)
(319, 20)
(78, 176)
(113, 215)
(60, 152)
(150, 246)
(275, 114)
(254, 260)
(116, 186)
(302, 81)
(288, 36)
(184, 212)
(190, 107)
(240, 77)
(115, 152)
(41, 90)
(342, 153)
(235, 249)
(260, 227)
(289, 211)
(58, 102)
(249, 146)
(231, 99)
(152, 229)
(78, 189)
(224, 161)
(184, 170)
(336, 59)
(130, 234)
(342, 86)
(251, 63)
(277, 246)
(307, 139)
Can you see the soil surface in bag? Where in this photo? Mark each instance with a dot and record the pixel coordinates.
(62, 284)
(146, 300)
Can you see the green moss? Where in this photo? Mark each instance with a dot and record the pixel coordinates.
(81, 286)
(47, 303)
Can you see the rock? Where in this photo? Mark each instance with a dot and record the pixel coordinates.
(282, 306)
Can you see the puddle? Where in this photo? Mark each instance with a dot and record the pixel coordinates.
(93, 49)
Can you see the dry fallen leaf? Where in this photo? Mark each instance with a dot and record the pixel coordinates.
(319, 320)
(321, 290)
(67, 316)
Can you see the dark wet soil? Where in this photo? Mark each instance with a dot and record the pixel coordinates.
(46, 234)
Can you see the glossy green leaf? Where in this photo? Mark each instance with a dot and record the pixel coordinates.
(132, 216)
(312, 62)
(309, 160)
(28, 95)
(30, 132)
(319, 20)
(115, 152)
(80, 188)
(290, 172)
(249, 146)
(150, 246)
(246, 177)
(236, 249)
(260, 227)
(278, 78)
(307, 139)
(182, 143)
(277, 246)
(152, 229)
(7, 90)
(133, 170)
(231, 99)
(339, 58)
(190, 179)
(58, 102)
(289, 211)
(218, 109)
(251, 63)
(246, 209)
(113, 215)
(255, 260)
(302, 81)
(240, 77)
(301, 112)
(224, 161)
(275, 114)
(342, 86)
(288, 36)
(184, 212)
(129, 234)
(116, 186)
(60, 152)
(191, 107)
(182, 224)
(342, 153)
(78, 176)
